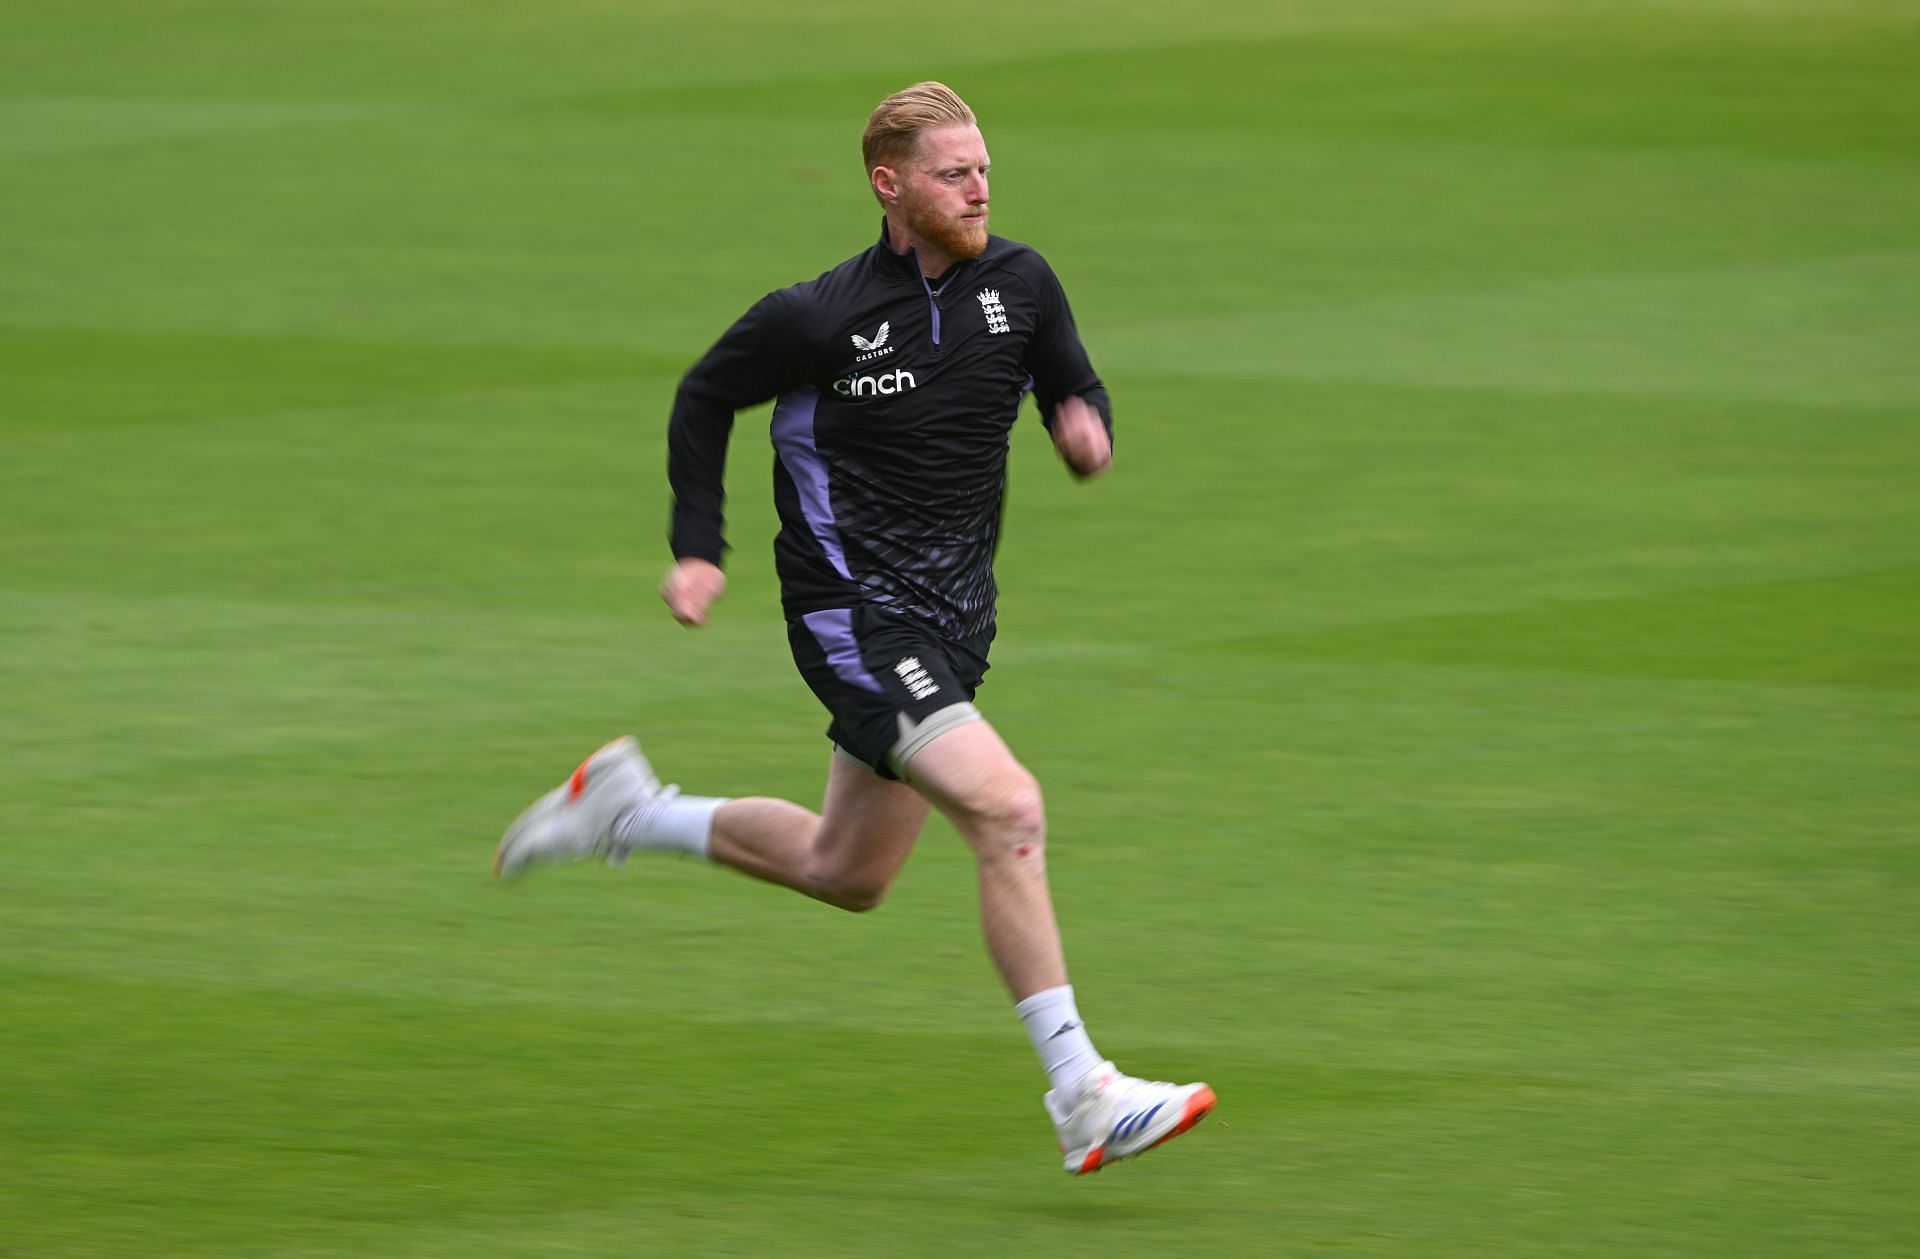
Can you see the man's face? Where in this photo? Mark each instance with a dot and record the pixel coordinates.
(943, 191)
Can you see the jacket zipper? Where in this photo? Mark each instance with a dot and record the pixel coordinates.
(933, 294)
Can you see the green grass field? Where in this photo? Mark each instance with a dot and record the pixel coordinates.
(1480, 713)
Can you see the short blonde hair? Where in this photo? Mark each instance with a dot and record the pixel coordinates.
(895, 125)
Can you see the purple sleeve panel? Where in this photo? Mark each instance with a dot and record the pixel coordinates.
(764, 353)
(793, 439)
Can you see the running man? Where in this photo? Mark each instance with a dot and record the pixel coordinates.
(896, 378)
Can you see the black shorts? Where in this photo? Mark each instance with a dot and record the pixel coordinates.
(889, 681)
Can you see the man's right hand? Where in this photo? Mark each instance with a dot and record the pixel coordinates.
(691, 587)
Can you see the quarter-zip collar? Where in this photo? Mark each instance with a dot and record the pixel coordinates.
(891, 261)
(907, 262)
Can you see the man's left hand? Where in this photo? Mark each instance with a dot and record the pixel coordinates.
(1081, 437)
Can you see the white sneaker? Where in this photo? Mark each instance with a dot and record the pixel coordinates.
(575, 820)
(1115, 1116)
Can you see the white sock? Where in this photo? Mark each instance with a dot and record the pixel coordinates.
(1053, 1024)
(673, 823)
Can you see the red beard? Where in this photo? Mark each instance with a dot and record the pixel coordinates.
(957, 240)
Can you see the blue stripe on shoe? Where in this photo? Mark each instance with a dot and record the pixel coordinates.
(1135, 1122)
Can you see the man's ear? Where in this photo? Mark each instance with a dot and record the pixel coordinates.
(886, 184)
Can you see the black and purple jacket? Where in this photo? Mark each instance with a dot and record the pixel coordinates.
(894, 400)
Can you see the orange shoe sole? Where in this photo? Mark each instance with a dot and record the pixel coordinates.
(1199, 1106)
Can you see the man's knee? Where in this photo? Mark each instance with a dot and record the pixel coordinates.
(988, 795)
(855, 888)
(854, 893)
(1011, 820)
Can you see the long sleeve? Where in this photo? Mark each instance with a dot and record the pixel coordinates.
(761, 355)
(1056, 357)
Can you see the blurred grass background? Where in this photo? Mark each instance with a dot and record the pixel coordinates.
(1478, 713)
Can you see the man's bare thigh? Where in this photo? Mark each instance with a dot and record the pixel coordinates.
(867, 822)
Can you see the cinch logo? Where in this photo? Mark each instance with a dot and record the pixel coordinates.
(898, 381)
